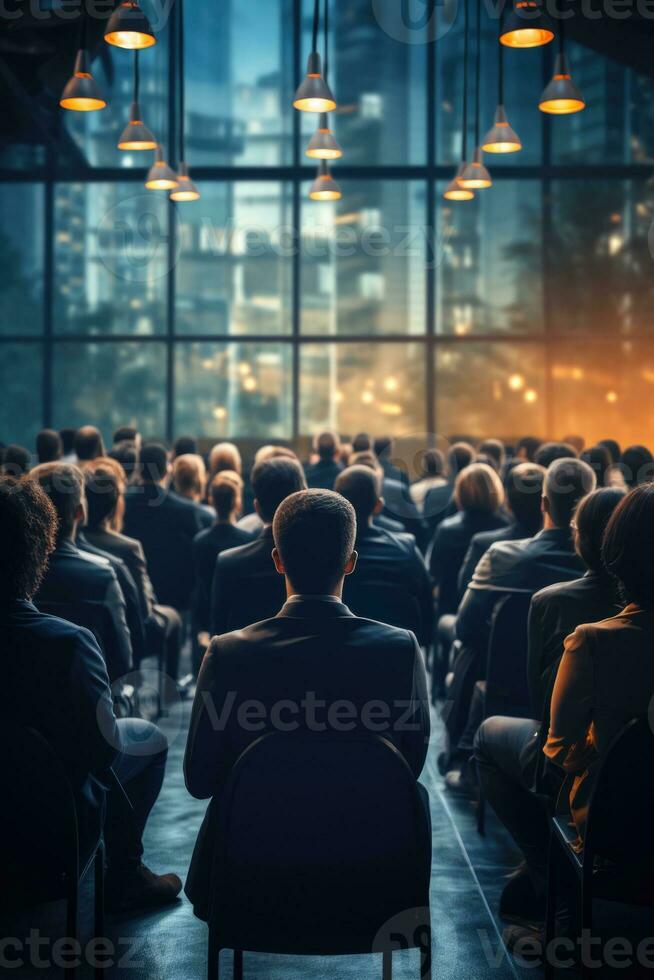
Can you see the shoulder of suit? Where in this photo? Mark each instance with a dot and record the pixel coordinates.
(559, 590)
(98, 560)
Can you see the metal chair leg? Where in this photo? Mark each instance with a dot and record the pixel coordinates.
(387, 965)
(98, 883)
(238, 964)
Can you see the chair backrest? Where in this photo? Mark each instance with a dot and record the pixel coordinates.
(321, 840)
(619, 825)
(38, 822)
(507, 689)
(382, 601)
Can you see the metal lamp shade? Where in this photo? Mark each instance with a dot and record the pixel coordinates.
(475, 175)
(501, 138)
(161, 177)
(527, 26)
(82, 93)
(324, 187)
(186, 189)
(561, 96)
(135, 135)
(314, 94)
(323, 144)
(128, 27)
(454, 191)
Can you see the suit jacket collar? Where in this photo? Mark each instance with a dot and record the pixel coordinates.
(66, 548)
(314, 607)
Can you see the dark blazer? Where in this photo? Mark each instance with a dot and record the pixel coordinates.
(54, 679)
(448, 549)
(391, 560)
(314, 666)
(207, 545)
(554, 614)
(481, 543)
(88, 588)
(130, 552)
(246, 586)
(165, 524)
(400, 506)
(322, 475)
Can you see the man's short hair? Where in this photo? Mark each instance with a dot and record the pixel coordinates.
(88, 443)
(103, 492)
(361, 443)
(478, 489)
(494, 450)
(637, 465)
(64, 485)
(126, 454)
(459, 455)
(16, 461)
(530, 446)
(126, 433)
(273, 481)
(28, 530)
(154, 462)
(549, 452)
(360, 485)
(566, 482)
(68, 440)
(184, 445)
(628, 549)
(524, 491)
(433, 463)
(592, 517)
(314, 532)
(189, 475)
(48, 446)
(327, 445)
(613, 447)
(225, 456)
(225, 490)
(383, 445)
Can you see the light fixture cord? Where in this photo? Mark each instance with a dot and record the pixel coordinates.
(464, 145)
(180, 68)
(326, 66)
(316, 18)
(500, 68)
(137, 77)
(478, 74)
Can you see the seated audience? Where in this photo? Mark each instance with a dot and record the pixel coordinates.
(599, 459)
(494, 450)
(384, 559)
(614, 449)
(524, 489)
(55, 680)
(577, 442)
(362, 443)
(251, 522)
(526, 449)
(68, 445)
(637, 466)
(88, 444)
(384, 447)
(549, 452)
(312, 651)
(433, 467)
(185, 445)
(225, 493)
(245, 586)
(322, 473)
(127, 433)
(165, 524)
(479, 497)
(366, 458)
(15, 461)
(225, 456)
(438, 503)
(189, 480)
(84, 586)
(127, 455)
(49, 447)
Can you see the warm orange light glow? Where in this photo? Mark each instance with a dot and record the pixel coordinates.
(133, 142)
(81, 104)
(501, 147)
(314, 105)
(476, 180)
(561, 107)
(516, 382)
(131, 40)
(163, 183)
(530, 396)
(328, 192)
(326, 151)
(185, 191)
(455, 192)
(129, 28)
(612, 397)
(527, 37)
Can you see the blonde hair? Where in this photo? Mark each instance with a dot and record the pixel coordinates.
(478, 488)
(225, 456)
(189, 476)
(103, 465)
(264, 453)
(225, 492)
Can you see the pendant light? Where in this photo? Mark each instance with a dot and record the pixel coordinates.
(454, 191)
(128, 27)
(476, 176)
(501, 138)
(186, 189)
(527, 26)
(82, 93)
(314, 94)
(324, 187)
(323, 144)
(161, 177)
(135, 135)
(561, 97)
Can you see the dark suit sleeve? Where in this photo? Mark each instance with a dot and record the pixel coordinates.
(436, 557)
(146, 591)
(421, 588)
(220, 599)
(119, 652)
(207, 760)
(535, 657)
(133, 615)
(415, 741)
(99, 738)
(468, 567)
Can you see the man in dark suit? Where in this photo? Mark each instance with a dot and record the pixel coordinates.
(55, 680)
(389, 561)
(299, 666)
(165, 524)
(384, 447)
(83, 586)
(324, 471)
(246, 587)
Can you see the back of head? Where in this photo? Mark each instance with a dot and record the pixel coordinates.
(28, 530)
(226, 491)
(64, 485)
(189, 475)
(327, 445)
(613, 447)
(478, 490)
(383, 446)
(566, 482)
(88, 443)
(459, 455)
(360, 485)
(126, 433)
(591, 519)
(153, 462)
(577, 442)
(126, 454)
(494, 450)
(524, 491)
(273, 481)
(16, 461)
(48, 446)
(225, 456)
(628, 549)
(104, 484)
(549, 452)
(361, 443)
(599, 460)
(433, 463)
(314, 533)
(67, 440)
(637, 465)
(184, 446)
(527, 448)
(273, 451)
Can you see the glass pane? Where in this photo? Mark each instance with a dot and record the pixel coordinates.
(111, 259)
(489, 261)
(21, 258)
(604, 390)
(600, 260)
(110, 385)
(363, 260)
(21, 377)
(232, 390)
(239, 83)
(523, 82)
(235, 263)
(377, 71)
(377, 388)
(95, 135)
(490, 389)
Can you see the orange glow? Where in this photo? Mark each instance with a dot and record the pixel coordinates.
(131, 40)
(147, 143)
(455, 192)
(329, 192)
(612, 397)
(185, 191)
(527, 37)
(164, 183)
(81, 103)
(474, 182)
(561, 107)
(530, 396)
(313, 104)
(516, 382)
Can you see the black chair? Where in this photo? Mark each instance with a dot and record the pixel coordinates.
(506, 689)
(323, 847)
(617, 861)
(385, 602)
(39, 847)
